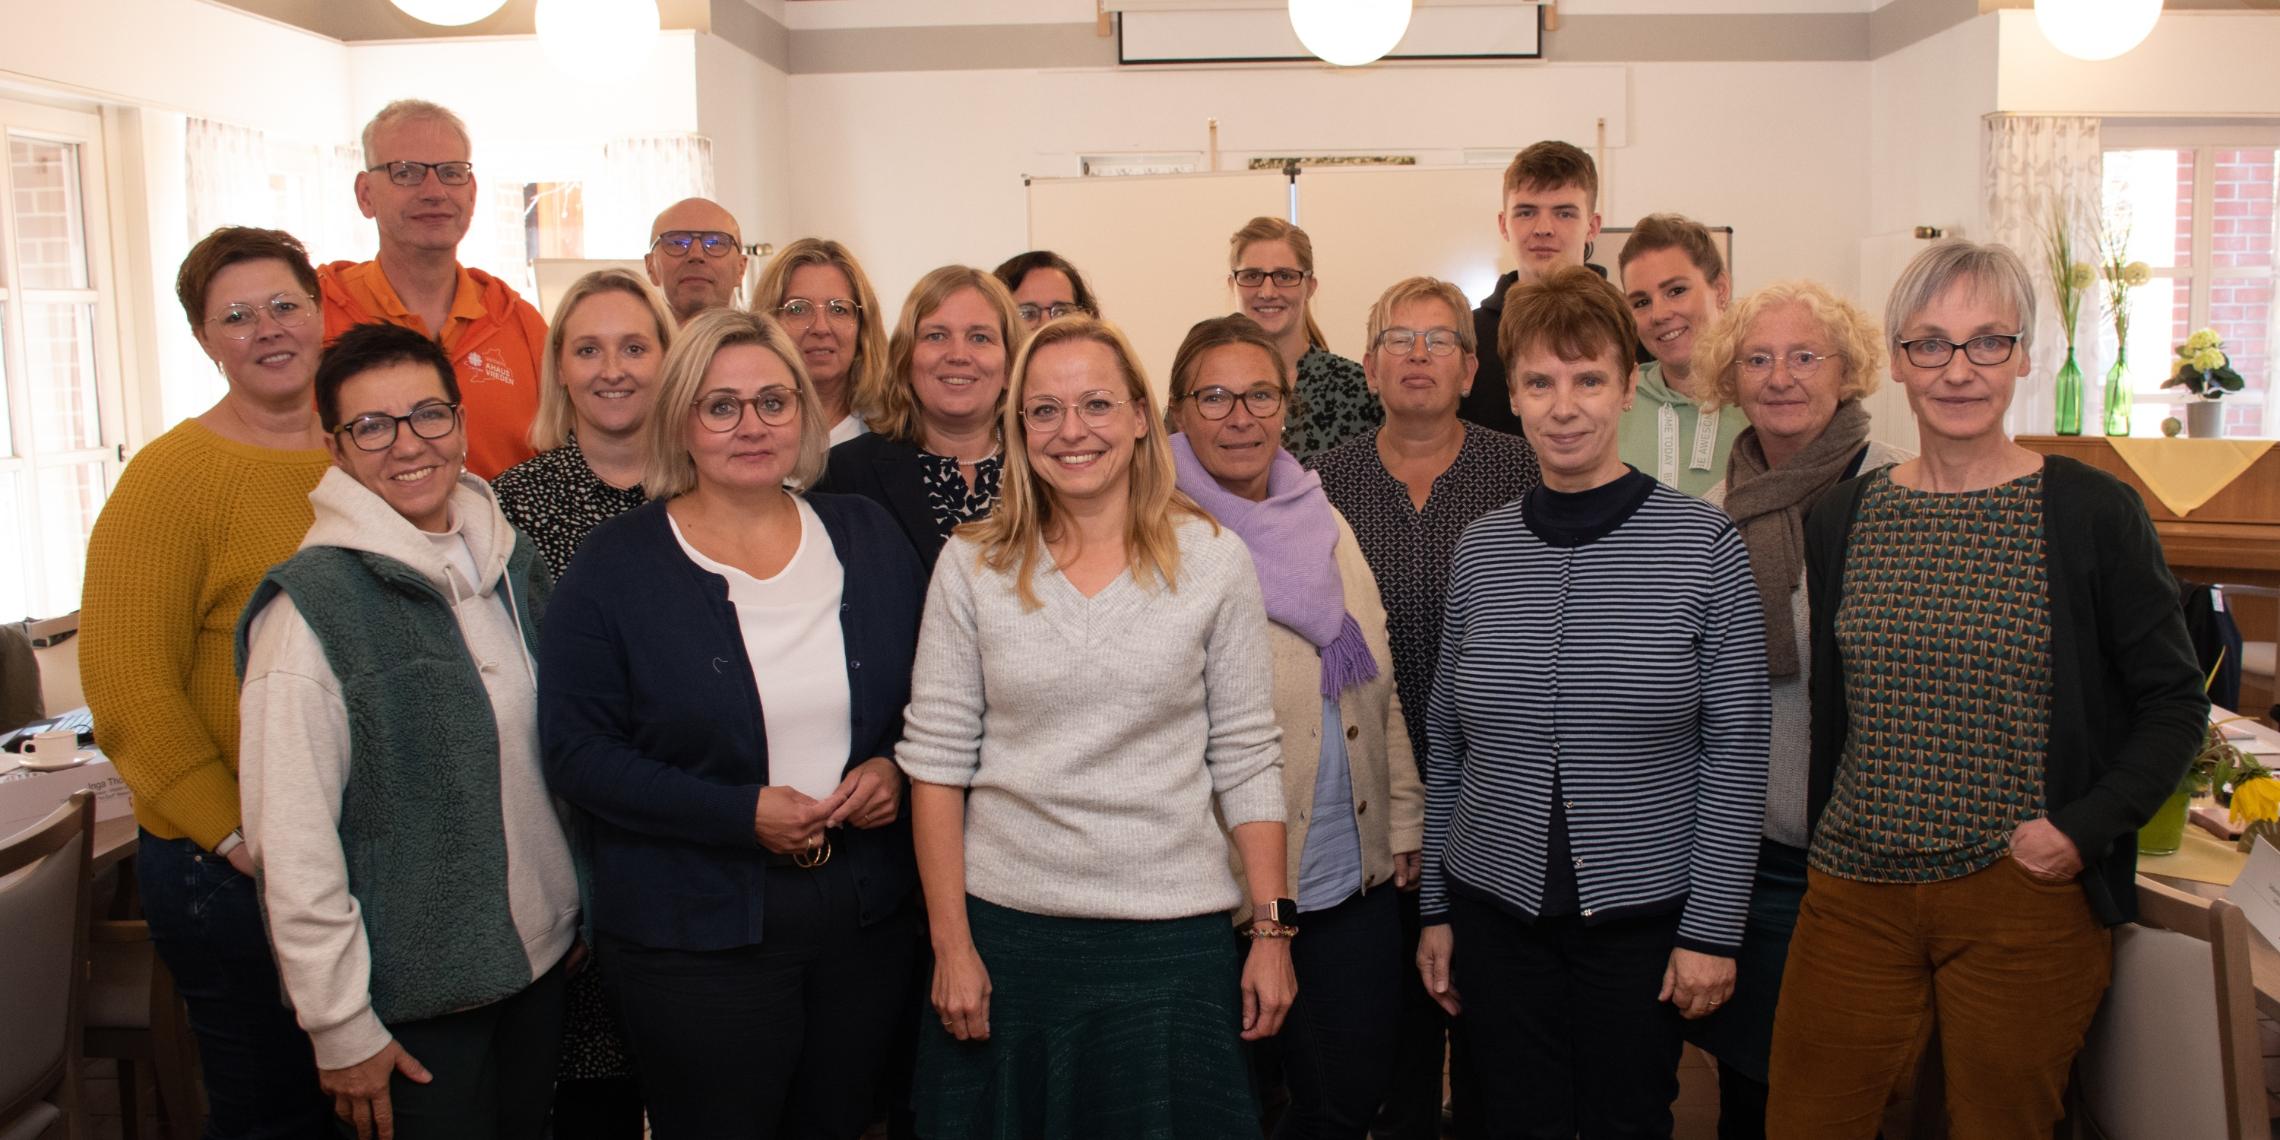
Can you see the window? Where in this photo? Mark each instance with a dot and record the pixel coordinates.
(2202, 218)
(59, 423)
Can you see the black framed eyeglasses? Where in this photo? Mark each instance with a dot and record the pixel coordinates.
(799, 313)
(1802, 362)
(1287, 278)
(1985, 351)
(679, 242)
(241, 321)
(376, 431)
(1438, 342)
(1217, 403)
(1044, 414)
(406, 173)
(1034, 315)
(776, 406)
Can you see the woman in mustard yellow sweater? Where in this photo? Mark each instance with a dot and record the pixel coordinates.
(199, 516)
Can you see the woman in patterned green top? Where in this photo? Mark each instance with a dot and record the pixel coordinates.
(1270, 265)
(2003, 691)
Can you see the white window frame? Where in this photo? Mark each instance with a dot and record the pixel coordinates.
(2204, 140)
(26, 459)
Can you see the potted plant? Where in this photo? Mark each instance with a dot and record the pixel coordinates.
(2222, 767)
(2206, 371)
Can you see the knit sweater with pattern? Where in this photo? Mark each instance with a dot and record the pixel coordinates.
(194, 523)
(1097, 734)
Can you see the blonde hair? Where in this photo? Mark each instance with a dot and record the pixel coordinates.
(556, 417)
(1847, 325)
(671, 471)
(867, 372)
(1014, 535)
(1301, 246)
(412, 111)
(895, 414)
(1413, 289)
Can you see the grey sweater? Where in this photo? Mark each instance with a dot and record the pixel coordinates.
(1096, 733)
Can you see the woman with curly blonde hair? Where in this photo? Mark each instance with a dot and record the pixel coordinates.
(1796, 359)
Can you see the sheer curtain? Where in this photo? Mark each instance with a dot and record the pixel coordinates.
(636, 178)
(2031, 164)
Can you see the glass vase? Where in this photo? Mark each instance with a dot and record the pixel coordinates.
(2165, 832)
(2118, 394)
(2068, 396)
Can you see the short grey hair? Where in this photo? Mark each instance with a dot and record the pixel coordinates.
(670, 471)
(1992, 267)
(414, 110)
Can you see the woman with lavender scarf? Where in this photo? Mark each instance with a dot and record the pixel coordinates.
(1356, 814)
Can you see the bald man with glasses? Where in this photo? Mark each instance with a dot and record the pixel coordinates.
(696, 256)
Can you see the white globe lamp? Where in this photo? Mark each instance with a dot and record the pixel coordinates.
(2096, 29)
(1350, 33)
(449, 13)
(603, 40)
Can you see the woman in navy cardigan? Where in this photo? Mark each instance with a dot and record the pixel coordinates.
(718, 695)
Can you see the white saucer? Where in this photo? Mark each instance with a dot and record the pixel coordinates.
(37, 763)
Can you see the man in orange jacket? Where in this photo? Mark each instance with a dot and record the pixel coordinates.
(419, 187)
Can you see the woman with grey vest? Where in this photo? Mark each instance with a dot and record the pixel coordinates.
(415, 877)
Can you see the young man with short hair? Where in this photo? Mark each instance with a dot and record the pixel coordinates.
(1549, 219)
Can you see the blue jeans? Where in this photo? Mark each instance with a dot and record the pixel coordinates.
(261, 1078)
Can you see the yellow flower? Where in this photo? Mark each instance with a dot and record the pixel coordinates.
(2136, 273)
(2256, 800)
(2206, 338)
(2208, 360)
(2082, 276)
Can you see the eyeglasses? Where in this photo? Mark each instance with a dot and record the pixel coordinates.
(799, 313)
(1439, 342)
(1985, 351)
(1035, 314)
(241, 322)
(1287, 278)
(776, 406)
(406, 173)
(678, 242)
(1043, 414)
(1803, 363)
(1218, 403)
(377, 431)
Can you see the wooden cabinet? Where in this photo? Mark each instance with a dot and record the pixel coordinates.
(2233, 538)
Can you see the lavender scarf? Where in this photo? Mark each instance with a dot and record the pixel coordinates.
(1291, 535)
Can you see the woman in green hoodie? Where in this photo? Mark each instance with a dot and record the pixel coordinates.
(1676, 283)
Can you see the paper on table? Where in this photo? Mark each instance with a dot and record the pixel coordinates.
(2257, 891)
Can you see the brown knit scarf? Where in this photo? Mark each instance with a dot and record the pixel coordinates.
(1768, 504)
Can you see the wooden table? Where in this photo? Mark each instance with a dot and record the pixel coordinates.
(2234, 538)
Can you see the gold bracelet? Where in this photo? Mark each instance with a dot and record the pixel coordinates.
(1269, 930)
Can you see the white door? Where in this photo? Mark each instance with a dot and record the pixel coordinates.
(60, 426)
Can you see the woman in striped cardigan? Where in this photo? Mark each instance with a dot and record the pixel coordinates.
(1597, 736)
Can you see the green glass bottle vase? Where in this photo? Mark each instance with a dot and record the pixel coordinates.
(2069, 396)
(2118, 394)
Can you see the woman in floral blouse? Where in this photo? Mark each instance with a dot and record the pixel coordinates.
(1270, 265)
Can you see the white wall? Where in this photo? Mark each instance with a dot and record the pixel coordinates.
(744, 107)
(2195, 64)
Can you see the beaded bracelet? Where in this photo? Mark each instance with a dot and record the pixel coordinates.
(1269, 930)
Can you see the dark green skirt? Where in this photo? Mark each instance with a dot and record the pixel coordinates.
(1101, 1029)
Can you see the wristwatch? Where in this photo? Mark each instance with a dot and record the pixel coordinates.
(1280, 912)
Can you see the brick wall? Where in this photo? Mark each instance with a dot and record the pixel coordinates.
(2241, 236)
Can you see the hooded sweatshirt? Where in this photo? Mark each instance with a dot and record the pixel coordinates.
(495, 340)
(295, 762)
(1679, 442)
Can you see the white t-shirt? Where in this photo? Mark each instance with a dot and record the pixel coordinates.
(848, 429)
(790, 624)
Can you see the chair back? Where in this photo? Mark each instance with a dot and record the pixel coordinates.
(2173, 1051)
(44, 889)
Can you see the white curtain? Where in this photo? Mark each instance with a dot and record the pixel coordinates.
(2032, 164)
(636, 178)
(228, 170)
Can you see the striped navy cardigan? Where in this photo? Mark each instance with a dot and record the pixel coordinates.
(1629, 667)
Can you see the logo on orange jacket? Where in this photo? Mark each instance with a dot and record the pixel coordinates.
(490, 368)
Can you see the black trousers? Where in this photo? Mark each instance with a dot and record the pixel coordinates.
(1567, 1038)
(1427, 1044)
(492, 1068)
(1339, 1032)
(783, 1039)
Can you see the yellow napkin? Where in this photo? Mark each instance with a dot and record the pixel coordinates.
(2185, 473)
(2203, 858)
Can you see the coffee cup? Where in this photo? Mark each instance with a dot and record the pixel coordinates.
(55, 748)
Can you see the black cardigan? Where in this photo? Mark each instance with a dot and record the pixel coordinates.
(2127, 712)
(650, 723)
(886, 472)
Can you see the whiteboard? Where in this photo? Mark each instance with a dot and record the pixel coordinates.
(1373, 226)
(1153, 247)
